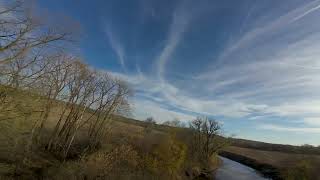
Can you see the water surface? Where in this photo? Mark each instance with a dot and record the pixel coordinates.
(231, 170)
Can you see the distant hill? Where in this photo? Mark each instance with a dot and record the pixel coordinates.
(304, 149)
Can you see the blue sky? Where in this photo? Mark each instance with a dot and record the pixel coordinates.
(254, 65)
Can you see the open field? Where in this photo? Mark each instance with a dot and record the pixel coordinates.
(304, 149)
(274, 163)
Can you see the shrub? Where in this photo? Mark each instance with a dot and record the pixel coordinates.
(301, 171)
(170, 156)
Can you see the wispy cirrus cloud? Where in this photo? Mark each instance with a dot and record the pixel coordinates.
(268, 73)
(255, 34)
(169, 96)
(251, 85)
(289, 129)
(180, 22)
(145, 108)
(273, 65)
(115, 45)
(314, 7)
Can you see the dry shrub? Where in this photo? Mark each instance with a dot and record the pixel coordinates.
(72, 170)
(301, 171)
(164, 158)
(119, 161)
(115, 164)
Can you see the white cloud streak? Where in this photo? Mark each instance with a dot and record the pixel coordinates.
(116, 45)
(289, 129)
(179, 24)
(271, 70)
(267, 28)
(174, 97)
(275, 65)
(317, 7)
(144, 109)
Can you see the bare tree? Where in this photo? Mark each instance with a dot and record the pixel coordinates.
(21, 32)
(91, 98)
(31, 64)
(210, 129)
(205, 133)
(80, 87)
(25, 43)
(150, 120)
(113, 98)
(50, 85)
(149, 124)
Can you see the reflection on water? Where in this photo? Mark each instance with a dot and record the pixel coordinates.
(231, 170)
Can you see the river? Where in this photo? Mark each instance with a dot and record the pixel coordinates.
(231, 170)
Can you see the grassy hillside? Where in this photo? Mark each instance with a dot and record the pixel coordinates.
(130, 149)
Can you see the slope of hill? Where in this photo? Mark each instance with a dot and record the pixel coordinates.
(304, 149)
(276, 164)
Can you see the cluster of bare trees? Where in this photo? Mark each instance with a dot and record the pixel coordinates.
(88, 97)
(31, 63)
(205, 138)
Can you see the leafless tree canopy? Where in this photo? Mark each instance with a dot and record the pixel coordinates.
(22, 33)
(205, 132)
(30, 64)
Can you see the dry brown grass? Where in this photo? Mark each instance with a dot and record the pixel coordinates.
(283, 161)
(277, 159)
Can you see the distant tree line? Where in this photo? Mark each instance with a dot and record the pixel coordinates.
(174, 123)
(303, 149)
